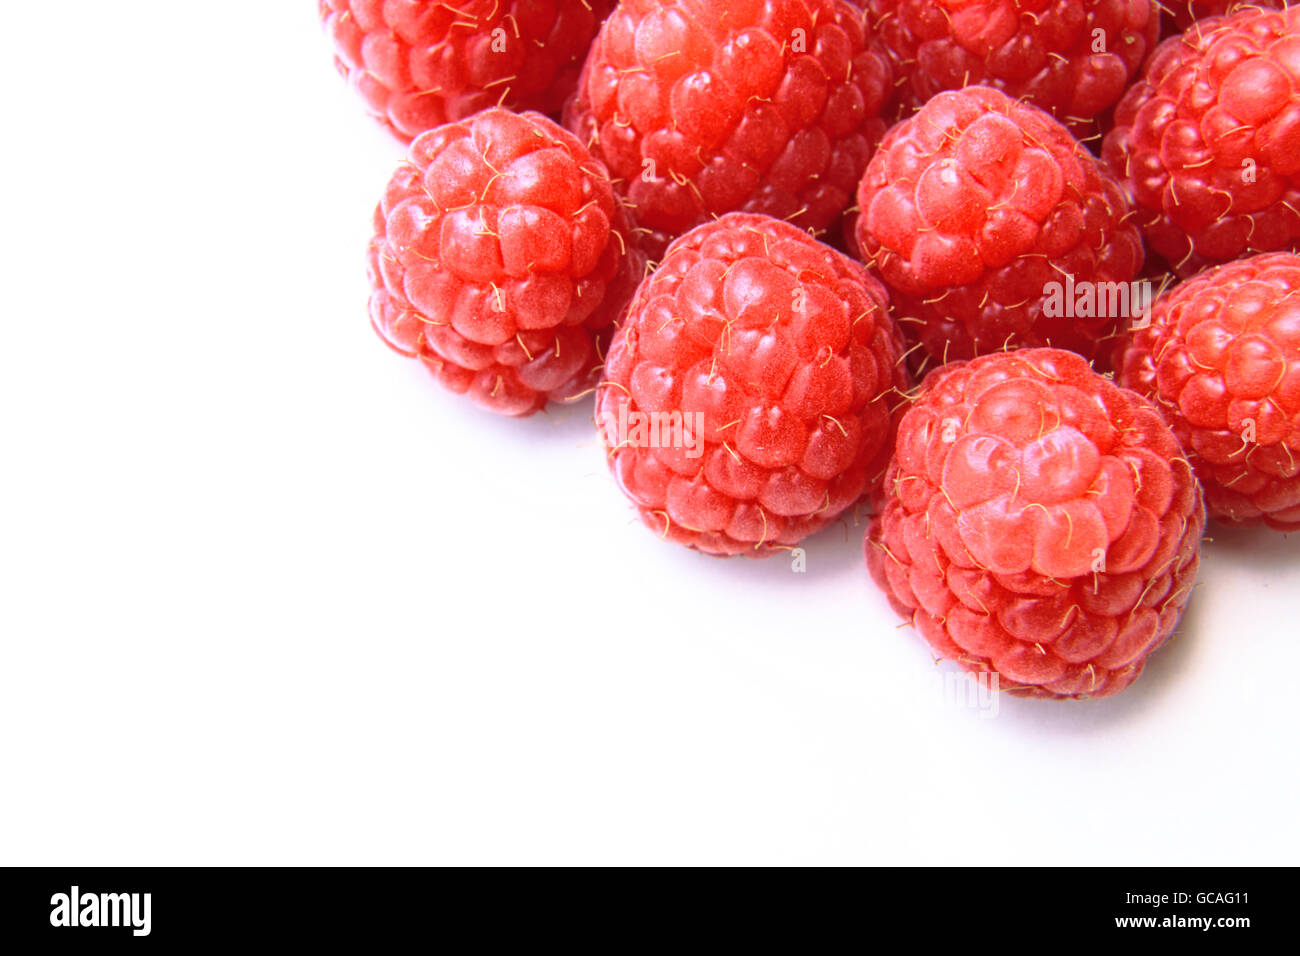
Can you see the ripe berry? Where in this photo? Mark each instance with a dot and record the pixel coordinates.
(1221, 358)
(1072, 58)
(1181, 13)
(1208, 140)
(974, 208)
(500, 257)
(421, 63)
(700, 108)
(1039, 522)
(770, 363)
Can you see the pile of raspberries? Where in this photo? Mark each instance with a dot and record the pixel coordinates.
(1019, 275)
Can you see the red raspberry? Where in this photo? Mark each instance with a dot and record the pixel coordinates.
(500, 256)
(1046, 52)
(778, 357)
(1209, 140)
(1221, 358)
(974, 208)
(1183, 12)
(700, 108)
(1039, 522)
(421, 63)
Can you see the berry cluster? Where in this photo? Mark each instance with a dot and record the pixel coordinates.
(811, 254)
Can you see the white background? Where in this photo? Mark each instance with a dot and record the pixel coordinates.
(268, 596)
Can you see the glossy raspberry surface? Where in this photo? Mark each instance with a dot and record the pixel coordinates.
(701, 108)
(421, 63)
(1221, 358)
(1046, 52)
(501, 257)
(972, 207)
(1208, 140)
(1039, 522)
(786, 350)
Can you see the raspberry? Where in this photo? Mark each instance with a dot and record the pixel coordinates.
(1039, 522)
(500, 258)
(1209, 140)
(1072, 58)
(974, 208)
(421, 63)
(1221, 358)
(774, 358)
(1181, 13)
(702, 108)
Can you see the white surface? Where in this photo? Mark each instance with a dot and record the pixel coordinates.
(271, 597)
